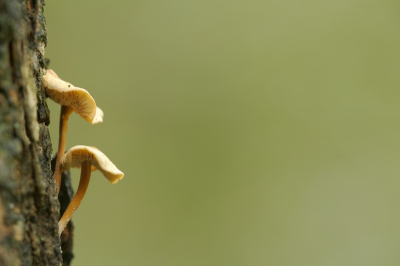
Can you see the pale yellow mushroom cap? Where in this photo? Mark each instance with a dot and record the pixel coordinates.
(98, 118)
(64, 93)
(78, 154)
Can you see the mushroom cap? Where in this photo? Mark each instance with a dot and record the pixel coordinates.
(78, 154)
(64, 93)
(98, 118)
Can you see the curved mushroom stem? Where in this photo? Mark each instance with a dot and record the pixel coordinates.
(76, 200)
(64, 116)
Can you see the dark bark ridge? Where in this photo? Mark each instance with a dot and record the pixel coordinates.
(29, 207)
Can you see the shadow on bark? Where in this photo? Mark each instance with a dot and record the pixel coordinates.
(65, 196)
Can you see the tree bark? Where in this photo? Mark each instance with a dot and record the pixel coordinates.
(29, 207)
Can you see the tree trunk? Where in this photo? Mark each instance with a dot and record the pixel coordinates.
(29, 207)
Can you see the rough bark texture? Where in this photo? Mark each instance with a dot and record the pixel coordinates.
(29, 208)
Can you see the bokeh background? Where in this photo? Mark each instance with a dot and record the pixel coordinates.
(260, 132)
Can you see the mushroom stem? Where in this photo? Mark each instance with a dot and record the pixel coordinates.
(76, 200)
(64, 116)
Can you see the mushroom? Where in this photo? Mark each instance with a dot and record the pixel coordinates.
(88, 159)
(71, 99)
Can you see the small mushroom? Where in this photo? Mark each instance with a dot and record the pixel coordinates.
(88, 159)
(71, 99)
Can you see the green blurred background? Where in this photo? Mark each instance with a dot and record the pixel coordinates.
(250, 132)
